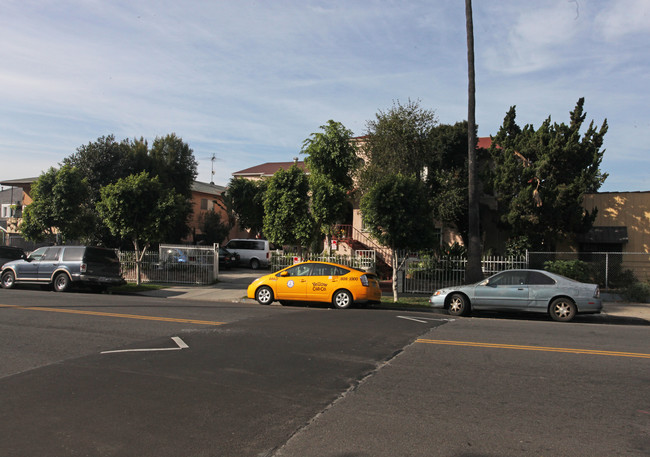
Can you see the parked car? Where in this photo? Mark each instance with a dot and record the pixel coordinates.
(174, 255)
(9, 253)
(319, 282)
(227, 259)
(535, 291)
(65, 266)
(253, 253)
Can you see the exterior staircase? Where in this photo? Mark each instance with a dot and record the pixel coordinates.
(359, 241)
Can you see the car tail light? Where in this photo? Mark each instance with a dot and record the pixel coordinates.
(83, 268)
(364, 280)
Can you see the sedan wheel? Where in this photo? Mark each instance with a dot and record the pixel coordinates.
(264, 295)
(8, 280)
(342, 299)
(562, 309)
(458, 305)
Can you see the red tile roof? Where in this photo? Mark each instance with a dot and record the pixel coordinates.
(484, 142)
(269, 169)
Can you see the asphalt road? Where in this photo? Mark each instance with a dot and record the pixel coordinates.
(246, 380)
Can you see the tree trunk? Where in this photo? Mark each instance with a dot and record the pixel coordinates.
(473, 271)
(138, 260)
(395, 268)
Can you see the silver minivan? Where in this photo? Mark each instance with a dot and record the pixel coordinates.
(253, 253)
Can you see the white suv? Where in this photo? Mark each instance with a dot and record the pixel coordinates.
(253, 253)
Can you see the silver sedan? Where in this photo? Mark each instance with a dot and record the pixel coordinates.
(522, 290)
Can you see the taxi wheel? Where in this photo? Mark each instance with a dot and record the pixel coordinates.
(8, 280)
(342, 299)
(264, 295)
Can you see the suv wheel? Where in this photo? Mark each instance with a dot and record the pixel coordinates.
(61, 282)
(255, 264)
(8, 280)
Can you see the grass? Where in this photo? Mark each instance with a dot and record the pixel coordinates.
(131, 288)
(404, 302)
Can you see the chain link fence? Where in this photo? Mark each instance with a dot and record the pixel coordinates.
(610, 270)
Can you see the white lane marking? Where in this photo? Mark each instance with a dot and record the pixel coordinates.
(426, 319)
(181, 345)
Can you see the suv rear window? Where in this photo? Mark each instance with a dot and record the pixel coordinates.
(73, 254)
(98, 255)
(11, 253)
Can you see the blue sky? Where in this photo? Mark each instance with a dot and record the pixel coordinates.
(249, 81)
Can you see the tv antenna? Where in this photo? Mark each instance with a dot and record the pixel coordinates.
(213, 160)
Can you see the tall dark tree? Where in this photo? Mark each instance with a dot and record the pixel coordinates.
(540, 176)
(102, 162)
(473, 271)
(172, 160)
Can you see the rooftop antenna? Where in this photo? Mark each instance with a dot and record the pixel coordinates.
(213, 159)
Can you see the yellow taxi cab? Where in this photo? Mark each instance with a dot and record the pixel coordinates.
(317, 281)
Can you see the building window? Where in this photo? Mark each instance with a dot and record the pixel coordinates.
(204, 204)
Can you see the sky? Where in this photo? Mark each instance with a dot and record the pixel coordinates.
(249, 81)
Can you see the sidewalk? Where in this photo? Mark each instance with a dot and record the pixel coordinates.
(232, 288)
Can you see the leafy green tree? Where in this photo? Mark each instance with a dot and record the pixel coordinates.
(105, 161)
(332, 160)
(398, 141)
(60, 204)
(397, 212)
(329, 203)
(139, 208)
(331, 153)
(246, 199)
(287, 219)
(540, 176)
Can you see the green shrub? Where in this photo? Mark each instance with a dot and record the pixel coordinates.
(638, 292)
(574, 269)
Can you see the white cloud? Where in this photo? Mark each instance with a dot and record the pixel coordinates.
(621, 18)
(251, 80)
